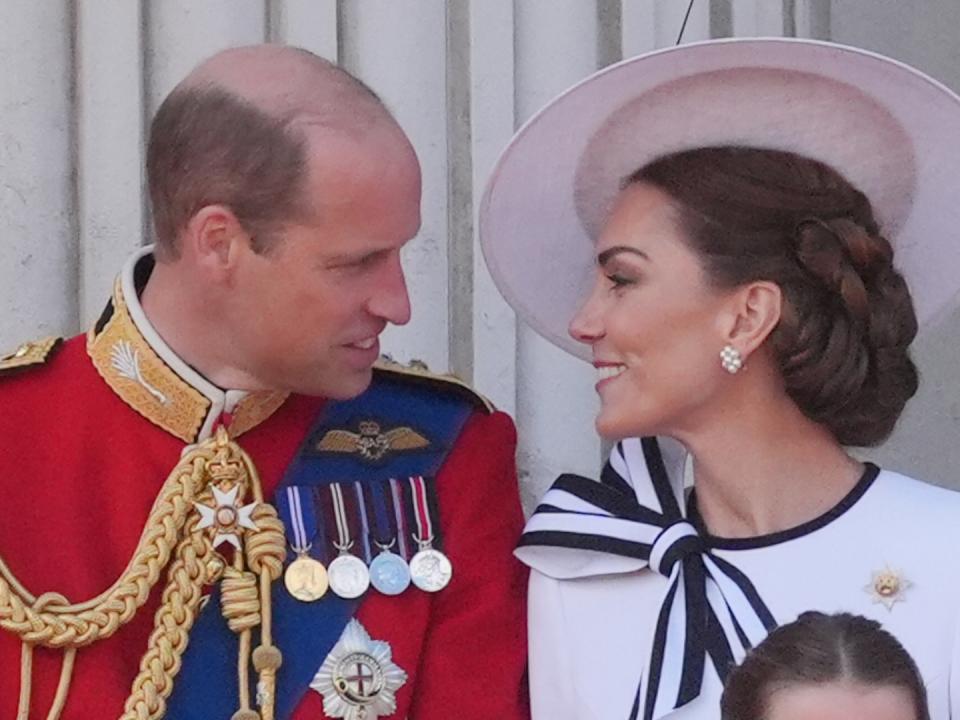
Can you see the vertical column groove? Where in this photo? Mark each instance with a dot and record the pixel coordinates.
(459, 189)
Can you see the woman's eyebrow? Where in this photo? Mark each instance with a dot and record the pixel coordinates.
(604, 257)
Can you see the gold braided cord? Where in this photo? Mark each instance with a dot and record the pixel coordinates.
(26, 669)
(241, 600)
(61, 624)
(63, 686)
(179, 605)
(171, 530)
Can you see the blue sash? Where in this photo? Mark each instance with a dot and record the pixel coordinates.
(206, 687)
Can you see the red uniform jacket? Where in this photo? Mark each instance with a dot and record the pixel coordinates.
(79, 471)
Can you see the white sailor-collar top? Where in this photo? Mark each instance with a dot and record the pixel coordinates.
(637, 612)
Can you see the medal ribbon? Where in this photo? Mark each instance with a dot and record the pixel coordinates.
(421, 510)
(383, 530)
(396, 493)
(364, 522)
(340, 517)
(301, 524)
(710, 609)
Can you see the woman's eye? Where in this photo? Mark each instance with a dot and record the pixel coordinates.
(619, 281)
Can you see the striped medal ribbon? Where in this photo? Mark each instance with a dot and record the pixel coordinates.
(389, 572)
(349, 577)
(305, 577)
(430, 569)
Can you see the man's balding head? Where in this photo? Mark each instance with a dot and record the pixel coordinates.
(234, 132)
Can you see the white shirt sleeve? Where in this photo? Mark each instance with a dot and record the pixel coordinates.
(552, 685)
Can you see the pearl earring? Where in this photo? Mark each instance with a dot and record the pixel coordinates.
(730, 359)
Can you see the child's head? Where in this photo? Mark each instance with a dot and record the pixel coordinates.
(826, 667)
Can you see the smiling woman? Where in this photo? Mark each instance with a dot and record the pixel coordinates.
(725, 230)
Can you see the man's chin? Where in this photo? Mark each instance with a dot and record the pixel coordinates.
(340, 387)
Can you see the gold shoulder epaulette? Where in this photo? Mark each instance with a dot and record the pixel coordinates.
(29, 354)
(417, 371)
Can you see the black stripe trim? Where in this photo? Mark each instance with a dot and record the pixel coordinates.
(687, 546)
(694, 661)
(718, 646)
(610, 477)
(870, 472)
(582, 541)
(656, 658)
(606, 498)
(753, 597)
(658, 474)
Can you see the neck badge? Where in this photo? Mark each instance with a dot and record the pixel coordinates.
(358, 679)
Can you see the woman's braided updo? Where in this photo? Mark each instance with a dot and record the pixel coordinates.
(847, 318)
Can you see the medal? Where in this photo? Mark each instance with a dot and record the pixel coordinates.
(430, 569)
(305, 578)
(358, 679)
(389, 572)
(348, 574)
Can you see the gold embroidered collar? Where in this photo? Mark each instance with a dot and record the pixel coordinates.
(147, 375)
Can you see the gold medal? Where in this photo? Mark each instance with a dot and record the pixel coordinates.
(306, 579)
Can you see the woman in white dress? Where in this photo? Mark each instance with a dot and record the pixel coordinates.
(727, 231)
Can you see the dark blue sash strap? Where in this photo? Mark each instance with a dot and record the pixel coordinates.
(206, 686)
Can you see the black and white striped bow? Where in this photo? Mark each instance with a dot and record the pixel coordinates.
(633, 518)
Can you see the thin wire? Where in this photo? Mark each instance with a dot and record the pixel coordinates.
(685, 18)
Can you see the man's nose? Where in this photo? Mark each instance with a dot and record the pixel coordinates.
(391, 301)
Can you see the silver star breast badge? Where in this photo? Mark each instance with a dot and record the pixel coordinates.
(359, 680)
(888, 587)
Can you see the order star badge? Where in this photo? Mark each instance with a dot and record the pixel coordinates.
(888, 587)
(226, 516)
(359, 680)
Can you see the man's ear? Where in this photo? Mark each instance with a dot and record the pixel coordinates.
(215, 238)
(753, 312)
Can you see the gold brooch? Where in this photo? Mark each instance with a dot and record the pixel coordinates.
(371, 443)
(888, 587)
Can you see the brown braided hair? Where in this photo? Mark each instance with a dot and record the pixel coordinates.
(816, 649)
(847, 320)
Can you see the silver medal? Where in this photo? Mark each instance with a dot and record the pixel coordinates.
(348, 576)
(430, 570)
(358, 679)
(389, 573)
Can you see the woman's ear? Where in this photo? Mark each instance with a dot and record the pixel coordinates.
(754, 312)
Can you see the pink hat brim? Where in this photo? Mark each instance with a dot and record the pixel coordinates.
(888, 128)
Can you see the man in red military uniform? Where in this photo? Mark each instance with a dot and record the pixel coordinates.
(230, 374)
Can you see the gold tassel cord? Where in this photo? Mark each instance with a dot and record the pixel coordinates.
(172, 529)
(60, 624)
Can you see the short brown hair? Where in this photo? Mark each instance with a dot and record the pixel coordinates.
(208, 146)
(819, 648)
(755, 214)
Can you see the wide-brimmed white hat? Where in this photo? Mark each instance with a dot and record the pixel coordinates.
(889, 129)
